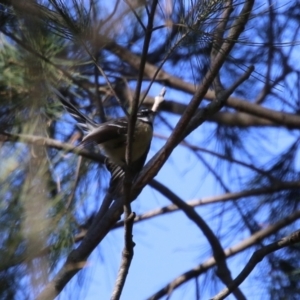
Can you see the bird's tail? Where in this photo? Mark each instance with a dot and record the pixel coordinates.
(116, 171)
(83, 121)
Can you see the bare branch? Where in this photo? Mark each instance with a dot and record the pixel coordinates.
(127, 256)
(256, 258)
(209, 263)
(183, 127)
(42, 141)
(223, 271)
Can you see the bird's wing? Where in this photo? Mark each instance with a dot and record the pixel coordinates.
(107, 131)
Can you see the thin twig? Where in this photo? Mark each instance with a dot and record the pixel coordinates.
(39, 140)
(104, 76)
(223, 271)
(99, 101)
(229, 252)
(136, 15)
(71, 197)
(221, 97)
(209, 200)
(183, 127)
(204, 201)
(127, 256)
(198, 119)
(278, 117)
(256, 258)
(135, 102)
(219, 155)
(127, 253)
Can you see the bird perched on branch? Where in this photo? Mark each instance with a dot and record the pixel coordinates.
(111, 136)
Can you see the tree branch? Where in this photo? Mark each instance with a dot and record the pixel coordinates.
(209, 263)
(223, 271)
(257, 257)
(42, 141)
(127, 256)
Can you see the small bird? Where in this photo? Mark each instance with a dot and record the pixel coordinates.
(111, 136)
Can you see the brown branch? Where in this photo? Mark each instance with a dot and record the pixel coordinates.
(42, 141)
(182, 129)
(205, 201)
(241, 105)
(98, 101)
(127, 256)
(223, 271)
(167, 209)
(210, 200)
(129, 216)
(217, 104)
(158, 160)
(241, 119)
(171, 208)
(268, 118)
(136, 97)
(257, 257)
(77, 258)
(185, 125)
(209, 263)
(222, 156)
(138, 18)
